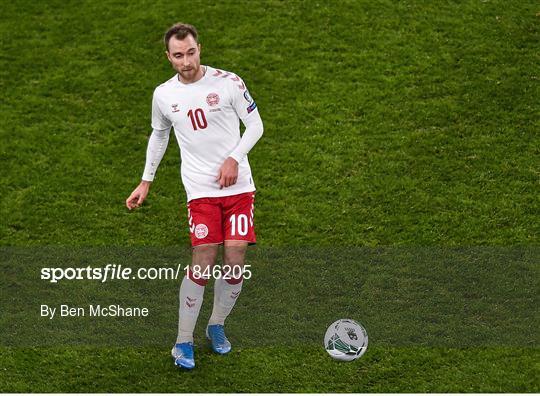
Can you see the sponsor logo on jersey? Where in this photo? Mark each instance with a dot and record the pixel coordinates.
(212, 99)
(201, 231)
(251, 107)
(175, 108)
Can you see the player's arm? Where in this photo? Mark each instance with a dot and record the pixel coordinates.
(157, 145)
(247, 111)
(228, 173)
(252, 134)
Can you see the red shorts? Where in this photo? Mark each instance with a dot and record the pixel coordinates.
(219, 219)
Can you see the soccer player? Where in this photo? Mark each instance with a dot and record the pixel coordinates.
(204, 105)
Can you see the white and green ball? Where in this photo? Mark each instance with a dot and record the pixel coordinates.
(345, 340)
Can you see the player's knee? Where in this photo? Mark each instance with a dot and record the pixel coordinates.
(234, 256)
(205, 256)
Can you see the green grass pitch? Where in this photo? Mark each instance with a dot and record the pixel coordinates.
(388, 124)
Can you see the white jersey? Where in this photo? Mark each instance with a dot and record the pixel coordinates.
(206, 118)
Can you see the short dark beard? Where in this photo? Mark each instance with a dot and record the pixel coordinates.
(180, 76)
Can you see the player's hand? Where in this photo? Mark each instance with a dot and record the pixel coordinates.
(228, 173)
(138, 195)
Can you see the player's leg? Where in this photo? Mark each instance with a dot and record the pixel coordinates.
(191, 298)
(227, 288)
(239, 232)
(192, 290)
(206, 234)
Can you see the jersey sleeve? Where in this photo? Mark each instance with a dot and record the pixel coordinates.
(157, 144)
(247, 111)
(159, 120)
(243, 103)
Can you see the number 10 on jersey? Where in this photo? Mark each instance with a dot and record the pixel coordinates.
(198, 119)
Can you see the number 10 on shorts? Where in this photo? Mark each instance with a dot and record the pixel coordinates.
(239, 224)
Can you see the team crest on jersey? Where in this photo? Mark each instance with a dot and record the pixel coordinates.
(175, 108)
(212, 99)
(201, 231)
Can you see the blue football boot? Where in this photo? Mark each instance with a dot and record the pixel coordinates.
(183, 355)
(216, 335)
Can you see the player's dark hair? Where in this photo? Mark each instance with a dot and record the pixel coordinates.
(180, 31)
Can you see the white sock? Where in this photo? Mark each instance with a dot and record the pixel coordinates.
(191, 298)
(225, 296)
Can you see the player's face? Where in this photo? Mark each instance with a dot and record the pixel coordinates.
(185, 58)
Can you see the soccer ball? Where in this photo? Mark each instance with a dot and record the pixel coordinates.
(345, 340)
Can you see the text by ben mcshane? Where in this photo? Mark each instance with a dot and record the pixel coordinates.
(113, 310)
